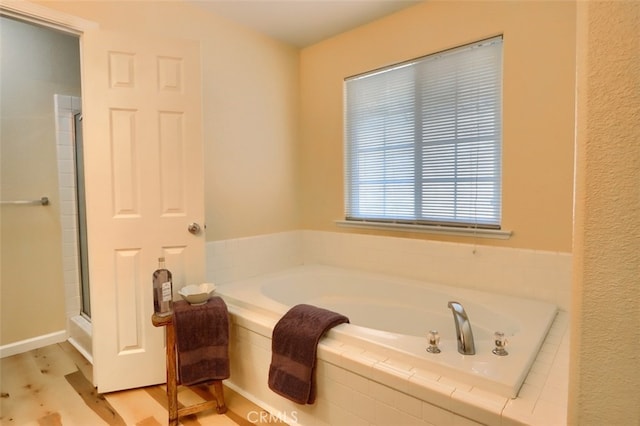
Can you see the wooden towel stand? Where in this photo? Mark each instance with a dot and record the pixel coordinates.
(172, 378)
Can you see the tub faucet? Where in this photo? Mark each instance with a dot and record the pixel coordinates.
(463, 329)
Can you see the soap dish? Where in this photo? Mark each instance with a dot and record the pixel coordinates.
(197, 294)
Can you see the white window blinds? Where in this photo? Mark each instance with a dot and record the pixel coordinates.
(423, 140)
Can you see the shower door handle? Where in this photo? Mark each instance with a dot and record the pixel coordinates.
(194, 228)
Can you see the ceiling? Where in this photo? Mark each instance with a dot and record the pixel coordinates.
(303, 22)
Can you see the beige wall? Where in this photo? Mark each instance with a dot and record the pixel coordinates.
(250, 110)
(250, 103)
(36, 64)
(538, 107)
(605, 365)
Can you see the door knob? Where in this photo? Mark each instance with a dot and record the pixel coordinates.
(194, 228)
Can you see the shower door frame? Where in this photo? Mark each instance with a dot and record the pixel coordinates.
(70, 188)
(81, 218)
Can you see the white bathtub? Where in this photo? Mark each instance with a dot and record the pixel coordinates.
(392, 316)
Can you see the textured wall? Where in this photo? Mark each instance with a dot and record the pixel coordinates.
(605, 360)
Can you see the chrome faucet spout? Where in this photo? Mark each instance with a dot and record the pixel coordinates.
(466, 346)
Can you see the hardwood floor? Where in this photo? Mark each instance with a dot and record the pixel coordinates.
(49, 387)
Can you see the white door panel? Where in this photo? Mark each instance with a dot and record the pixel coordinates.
(144, 185)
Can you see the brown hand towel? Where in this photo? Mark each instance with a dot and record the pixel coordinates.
(293, 351)
(202, 341)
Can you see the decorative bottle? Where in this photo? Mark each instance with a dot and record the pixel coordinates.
(162, 290)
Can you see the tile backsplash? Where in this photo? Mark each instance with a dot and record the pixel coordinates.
(540, 275)
(237, 259)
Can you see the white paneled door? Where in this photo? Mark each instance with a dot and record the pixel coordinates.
(144, 188)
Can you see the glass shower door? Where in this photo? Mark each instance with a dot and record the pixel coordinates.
(82, 218)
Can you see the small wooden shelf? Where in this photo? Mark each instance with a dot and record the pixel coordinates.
(172, 377)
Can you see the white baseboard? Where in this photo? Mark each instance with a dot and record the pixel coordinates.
(33, 343)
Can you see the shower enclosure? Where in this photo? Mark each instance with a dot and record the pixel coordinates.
(73, 219)
(72, 202)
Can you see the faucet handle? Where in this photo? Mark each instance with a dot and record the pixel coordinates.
(434, 339)
(500, 342)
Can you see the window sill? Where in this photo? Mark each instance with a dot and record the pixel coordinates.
(427, 229)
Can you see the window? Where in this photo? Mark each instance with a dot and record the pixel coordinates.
(423, 140)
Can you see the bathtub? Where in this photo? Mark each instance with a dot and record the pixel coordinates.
(391, 317)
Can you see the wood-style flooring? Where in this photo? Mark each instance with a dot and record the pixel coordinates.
(49, 387)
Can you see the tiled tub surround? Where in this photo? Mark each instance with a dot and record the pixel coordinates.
(538, 275)
(358, 386)
(361, 387)
(392, 316)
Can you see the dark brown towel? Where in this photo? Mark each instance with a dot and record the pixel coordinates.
(293, 351)
(202, 341)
